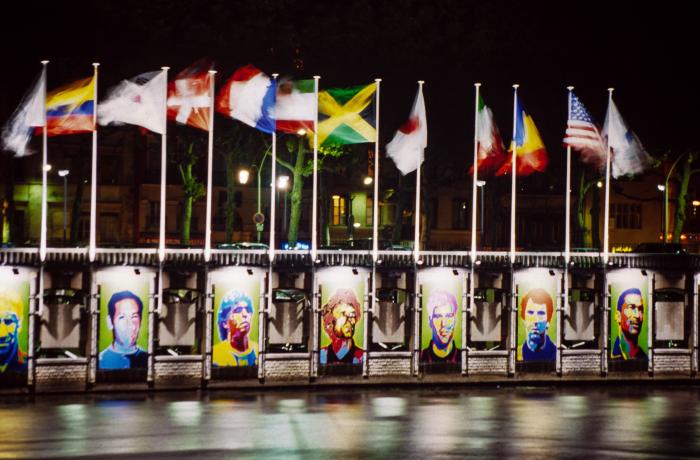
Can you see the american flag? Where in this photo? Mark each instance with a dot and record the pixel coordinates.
(583, 135)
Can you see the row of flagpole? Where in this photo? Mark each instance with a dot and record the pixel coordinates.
(411, 144)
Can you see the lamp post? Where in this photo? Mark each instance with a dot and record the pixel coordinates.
(283, 184)
(662, 189)
(64, 174)
(481, 184)
(243, 176)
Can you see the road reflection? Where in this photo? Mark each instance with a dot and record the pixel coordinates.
(389, 423)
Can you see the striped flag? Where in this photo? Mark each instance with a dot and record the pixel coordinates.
(583, 135)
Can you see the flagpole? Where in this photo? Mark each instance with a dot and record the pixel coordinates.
(475, 174)
(273, 201)
(44, 172)
(513, 171)
(314, 210)
(92, 248)
(567, 219)
(606, 229)
(375, 204)
(416, 232)
(163, 183)
(210, 157)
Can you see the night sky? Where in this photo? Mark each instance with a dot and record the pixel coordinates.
(645, 51)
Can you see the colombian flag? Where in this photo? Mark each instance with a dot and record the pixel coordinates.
(531, 155)
(70, 108)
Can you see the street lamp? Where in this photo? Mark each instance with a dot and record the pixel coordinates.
(482, 185)
(662, 189)
(283, 184)
(243, 176)
(64, 174)
(259, 225)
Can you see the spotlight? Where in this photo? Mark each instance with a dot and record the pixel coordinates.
(379, 261)
(455, 272)
(551, 272)
(478, 262)
(15, 271)
(137, 271)
(419, 262)
(354, 271)
(644, 272)
(249, 271)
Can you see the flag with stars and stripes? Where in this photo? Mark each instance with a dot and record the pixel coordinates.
(583, 135)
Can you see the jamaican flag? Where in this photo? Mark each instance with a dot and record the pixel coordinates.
(346, 115)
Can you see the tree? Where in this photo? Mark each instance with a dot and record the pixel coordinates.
(239, 145)
(683, 178)
(192, 188)
(300, 167)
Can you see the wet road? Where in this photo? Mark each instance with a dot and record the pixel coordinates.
(587, 422)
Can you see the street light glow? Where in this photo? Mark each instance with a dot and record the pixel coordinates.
(63, 172)
(480, 183)
(696, 203)
(243, 176)
(301, 132)
(599, 184)
(661, 187)
(367, 180)
(282, 182)
(47, 168)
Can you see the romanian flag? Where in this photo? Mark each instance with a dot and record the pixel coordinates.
(531, 155)
(346, 115)
(70, 108)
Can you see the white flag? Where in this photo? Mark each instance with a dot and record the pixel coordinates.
(139, 101)
(30, 114)
(628, 155)
(409, 142)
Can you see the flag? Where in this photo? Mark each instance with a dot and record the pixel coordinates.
(188, 96)
(30, 114)
(491, 153)
(583, 135)
(249, 96)
(628, 155)
(139, 101)
(531, 155)
(295, 107)
(409, 142)
(346, 115)
(70, 108)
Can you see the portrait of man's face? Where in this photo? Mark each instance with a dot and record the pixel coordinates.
(631, 314)
(535, 323)
(238, 322)
(344, 320)
(126, 322)
(443, 322)
(9, 329)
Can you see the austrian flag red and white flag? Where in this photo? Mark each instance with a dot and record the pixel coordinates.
(409, 142)
(189, 97)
